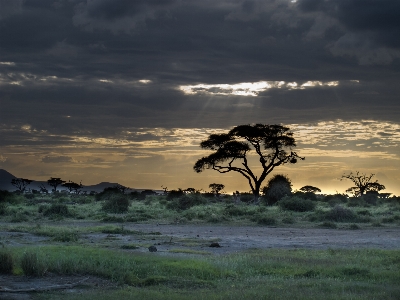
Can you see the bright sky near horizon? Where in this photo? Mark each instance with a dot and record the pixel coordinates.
(124, 91)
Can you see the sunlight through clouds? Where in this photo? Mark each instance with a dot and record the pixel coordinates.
(251, 88)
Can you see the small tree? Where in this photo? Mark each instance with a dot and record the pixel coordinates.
(310, 189)
(20, 183)
(55, 182)
(73, 186)
(362, 183)
(272, 144)
(216, 188)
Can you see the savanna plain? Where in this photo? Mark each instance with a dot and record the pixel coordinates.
(181, 245)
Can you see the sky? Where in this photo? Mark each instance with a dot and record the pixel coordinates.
(124, 91)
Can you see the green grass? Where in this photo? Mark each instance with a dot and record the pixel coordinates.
(157, 209)
(266, 274)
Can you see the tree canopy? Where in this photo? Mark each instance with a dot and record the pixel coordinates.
(310, 189)
(272, 144)
(20, 183)
(363, 183)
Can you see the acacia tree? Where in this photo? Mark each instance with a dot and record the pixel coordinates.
(310, 189)
(272, 143)
(20, 183)
(55, 182)
(216, 188)
(73, 186)
(362, 183)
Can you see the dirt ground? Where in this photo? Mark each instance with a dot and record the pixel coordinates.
(176, 239)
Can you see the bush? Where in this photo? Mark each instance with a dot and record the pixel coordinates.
(6, 262)
(232, 210)
(356, 202)
(117, 204)
(269, 221)
(306, 195)
(329, 225)
(3, 208)
(56, 209)
(341, 214)
(186, 202)
(32, 265)
(277, 187)
(296, 204)
(338, 198)
(371, 197)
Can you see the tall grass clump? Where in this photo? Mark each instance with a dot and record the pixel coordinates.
(6, 262)
(341, 214)
(32, 264)
(297, 204)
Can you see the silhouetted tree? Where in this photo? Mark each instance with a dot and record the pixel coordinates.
(272, 143)
(216, 188)
(73, 186)
(20, 183)
(362, 183)
(121, 188)
(310, 189)
(55, 182)
(43, 189)
(277, 187)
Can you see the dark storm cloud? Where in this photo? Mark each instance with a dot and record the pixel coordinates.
(75, 66)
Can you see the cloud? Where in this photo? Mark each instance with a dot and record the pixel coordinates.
(117, 16)
(251, 88)
(10, 7)
(56, 159)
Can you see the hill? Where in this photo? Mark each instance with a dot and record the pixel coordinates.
(5, 180)
(6, 177)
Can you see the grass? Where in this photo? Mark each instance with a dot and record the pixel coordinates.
(266, 274)
(158, 209)
(258, 274)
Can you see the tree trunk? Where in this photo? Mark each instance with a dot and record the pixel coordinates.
(256, 193)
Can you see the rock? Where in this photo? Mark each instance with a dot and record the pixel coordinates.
(153, 249)
(215, 245)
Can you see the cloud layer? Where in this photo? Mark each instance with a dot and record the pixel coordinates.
(77, 73)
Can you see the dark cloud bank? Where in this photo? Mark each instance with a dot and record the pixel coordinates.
(100, 66)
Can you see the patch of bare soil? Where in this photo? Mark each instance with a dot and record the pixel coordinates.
(24, 288)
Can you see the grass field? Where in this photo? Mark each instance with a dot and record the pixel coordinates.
(189, 273)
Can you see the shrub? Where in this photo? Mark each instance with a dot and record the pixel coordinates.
(371, 197)
(117, 203)
(66, 236)
(341, 214)
(306, 195)
(354, 227)
(330, 225)
(356, 201)
(339, 198)
(288, 220)
(296, 204)
(175, 194)
(6, 262)
(269, 221)
(108, 193)
(57, 209)
(32, 265)
(277, 187)
(232, 210)
(3, 208)
(186, 202)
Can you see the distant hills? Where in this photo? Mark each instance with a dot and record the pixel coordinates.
(6, 177)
